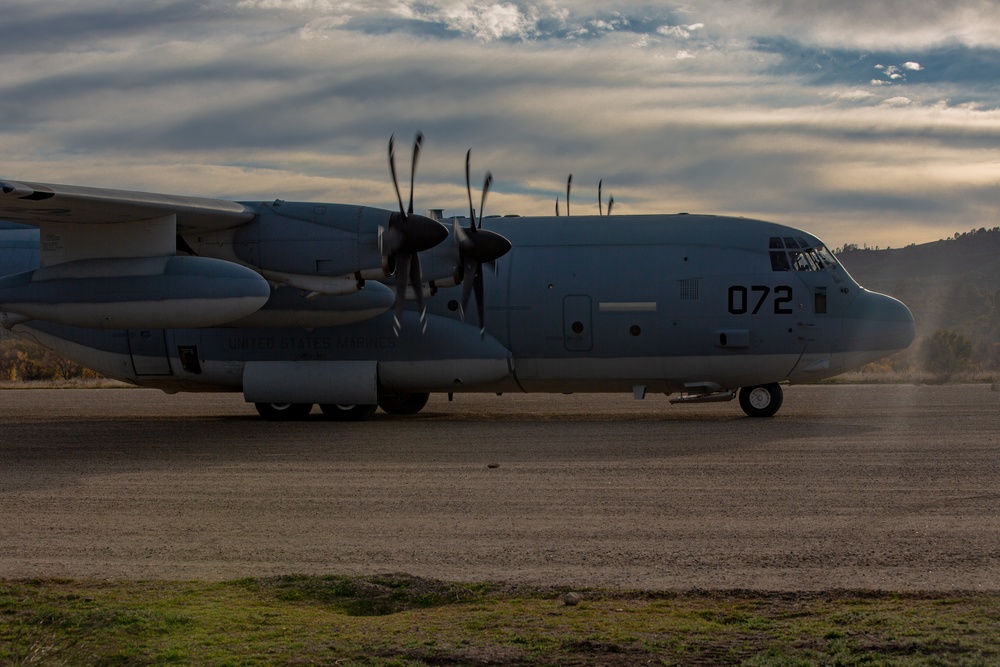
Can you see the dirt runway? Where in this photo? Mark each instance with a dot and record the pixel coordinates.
(854, 486)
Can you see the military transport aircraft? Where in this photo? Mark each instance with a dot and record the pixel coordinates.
(352, 307)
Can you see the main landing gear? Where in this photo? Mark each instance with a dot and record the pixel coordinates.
(283, 412)
(347, 413)
(393, 404)
(762, 400)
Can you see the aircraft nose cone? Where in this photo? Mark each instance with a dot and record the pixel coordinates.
(878, 323)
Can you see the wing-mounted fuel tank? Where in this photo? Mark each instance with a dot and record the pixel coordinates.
(146, 292)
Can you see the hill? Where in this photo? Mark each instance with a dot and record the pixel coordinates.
(949, 285)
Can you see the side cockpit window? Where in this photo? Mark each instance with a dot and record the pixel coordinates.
(779, 261)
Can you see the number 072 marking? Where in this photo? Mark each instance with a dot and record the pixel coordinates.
(743, 299)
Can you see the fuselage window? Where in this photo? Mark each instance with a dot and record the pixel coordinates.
(820, 300)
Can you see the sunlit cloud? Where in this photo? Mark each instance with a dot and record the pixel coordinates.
(679, 31)
(791, 112)
(898, 101)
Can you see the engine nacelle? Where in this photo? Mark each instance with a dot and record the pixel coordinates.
(312, 239)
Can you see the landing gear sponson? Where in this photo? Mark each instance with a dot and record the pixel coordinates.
(393, 404)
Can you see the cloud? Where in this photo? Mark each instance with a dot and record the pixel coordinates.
(680, 31)
(760, 113)
(490, 21)
(898, 101)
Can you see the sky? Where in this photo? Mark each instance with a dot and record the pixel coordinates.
(875, 122)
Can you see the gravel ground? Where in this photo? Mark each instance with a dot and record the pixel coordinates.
(853, 486)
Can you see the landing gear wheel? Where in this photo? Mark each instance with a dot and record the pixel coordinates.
(347, 413)
(762, 400)
(403, 404)
(283, 412)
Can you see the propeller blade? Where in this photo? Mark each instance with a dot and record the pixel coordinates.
(468, 191)
(417, 282)
(471, 268)
(557, 207)
(402, 271)
(477, 283)
(461, 238)
(569, 184)
(600, 205)
(611, 202)
(392, 170)
(487, 184)
(418, 141)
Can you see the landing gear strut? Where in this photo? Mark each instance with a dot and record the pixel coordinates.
(762, 400)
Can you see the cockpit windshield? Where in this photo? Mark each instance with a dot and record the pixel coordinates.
(792, 253)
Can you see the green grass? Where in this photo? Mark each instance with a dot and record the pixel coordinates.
(403, 620)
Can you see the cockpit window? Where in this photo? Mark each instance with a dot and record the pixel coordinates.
(804, 261)
(826, 257)
(799, 256)
(779, 261)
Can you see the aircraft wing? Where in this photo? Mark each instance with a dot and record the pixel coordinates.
(40, 203)
(88, 223)
(109, 260)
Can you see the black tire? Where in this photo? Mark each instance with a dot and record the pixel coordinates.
(403, 404)
(762, 400)
(347, 413)
(283, 412)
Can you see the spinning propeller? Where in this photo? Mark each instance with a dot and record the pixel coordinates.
(600, 203)
(406, 237)
(600, 200)
(569, 184)
(476, 246)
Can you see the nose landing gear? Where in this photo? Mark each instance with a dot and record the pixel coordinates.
(762, 400)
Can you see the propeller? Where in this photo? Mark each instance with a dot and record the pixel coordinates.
(569, 184)
(406, 236)
(600, 201)
(476, 246)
